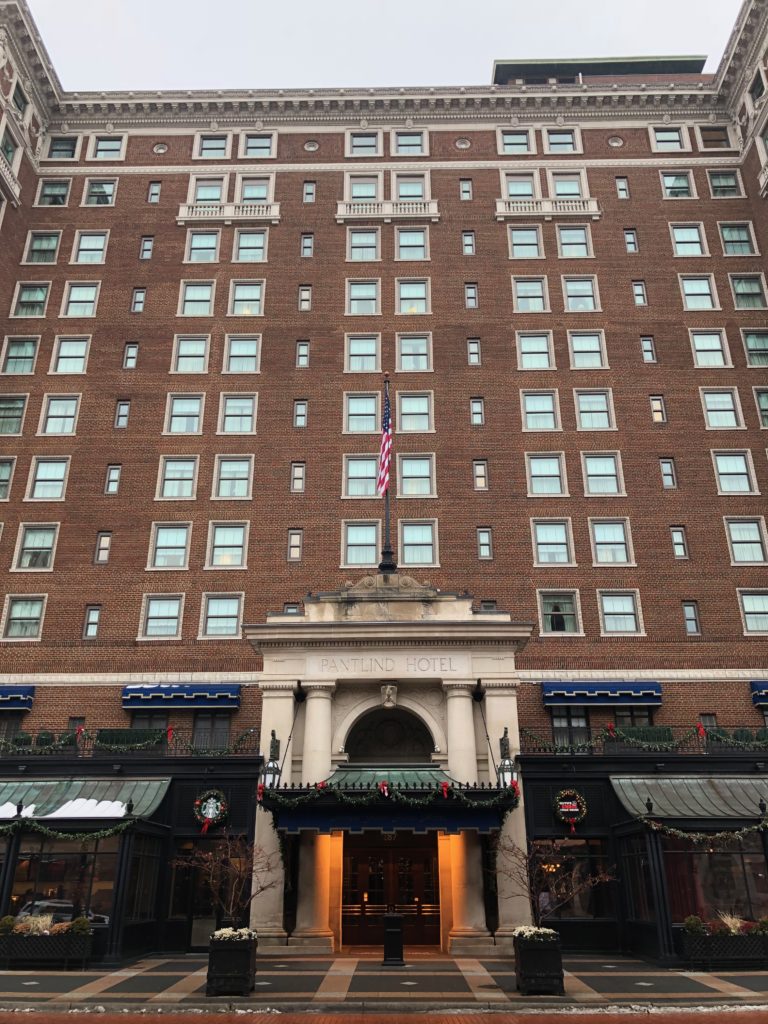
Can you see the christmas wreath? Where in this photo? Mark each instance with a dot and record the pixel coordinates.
(210, 808)
(570, 807)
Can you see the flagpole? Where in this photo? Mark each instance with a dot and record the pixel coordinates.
(387, 564)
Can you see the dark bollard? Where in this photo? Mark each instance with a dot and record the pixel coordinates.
(393, 941)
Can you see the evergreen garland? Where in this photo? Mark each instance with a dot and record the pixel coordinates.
(29, 825)
(507, 798)
(726, 837)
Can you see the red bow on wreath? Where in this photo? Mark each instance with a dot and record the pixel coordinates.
(444, 787)
(260, 792)
(384, 788)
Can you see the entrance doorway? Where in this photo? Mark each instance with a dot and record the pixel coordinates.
(390, 870)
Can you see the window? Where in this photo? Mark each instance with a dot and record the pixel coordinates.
(197, 298)
(245, 298)
(756, 345)
(146, 247)
(185, 414)
(414, 412)
(540, 411)
(679, 541)
(521, 187)
(747, 541)
(305, 298)
(413, 297)
(103, 548)
(570, 729)
(465, 189)
(107, 148)
(573, 242)
(59, 414)
(153, 192)
(677, 184)
(11, 414)
(530, 294)
(36, 546)
(709, 348)
(61, 147)
(416, 476)
(307, 245)
(414, 352)
(9, 147)
(31, 299)
(295, 545)
(170, 546)
(724, 184)
(567, 186)
(212, 146)
(410, 144)
(260, 147)
(668, 139)
(250, 246)
(360, 475)
(476, 412)
(411, 243)
(594, 410)
(754, 607)
(418, 543)
(227, 545)
(622, 188)
(363, 245)
(761, 397)
(100, 193)
(756, 89)
(552, 542)
(668, 474)
(516, 140)
(209, 190)
(546, 474)
(237, 414)
(473, 352)
(80, 299)
(534, 352)
(177, 477)
(162, 616)
(619, 612)
(203, 247)
(698, 292)
(364, 144)
(112, 480)
(309, 191)
(361, 414)
(363, 297)
(19, 356)
(53, 193)
(559, 612)
(122, 412)
(748, 291)
(6, 472)
(360, 543)
(190, 355)
(138, 297)
(301, 413)
(363, 190)
(639, 294)
(688, 240)
(220, 618)
(24, 617)
(525, 243)
(302, 354)
(48, 479)
(410, 188)
(484, 543)
(91, 621)
(658, 409)
(580, 294)
(362, 353)
(587, 350)
(42, 247)
(480, 474)
(630, 240)
(241, 353)
(561, 140)
(90, 247)
(298, 477)
(721, 409)
(610, 542)
(470, 296)
(468, 243)
(648, 349)
(233, 476)
(734, 473)
(601, 474)
(714, 136)
(738, 240)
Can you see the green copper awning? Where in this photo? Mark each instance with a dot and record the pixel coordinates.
(81, 799)
(414, 778)
(727, 797)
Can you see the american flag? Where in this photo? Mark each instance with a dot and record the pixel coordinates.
(385, 452)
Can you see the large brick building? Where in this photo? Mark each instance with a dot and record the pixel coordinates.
(563, 275)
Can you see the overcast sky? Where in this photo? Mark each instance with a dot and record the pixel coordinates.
(264, 44)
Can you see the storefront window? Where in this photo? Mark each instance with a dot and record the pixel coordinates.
(568, 867)
(141, 903)
(704, 881)
(65, 879)
(636, 876)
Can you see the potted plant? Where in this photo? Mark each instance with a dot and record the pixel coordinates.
(538, 961)
(727, 939)
(37, 938)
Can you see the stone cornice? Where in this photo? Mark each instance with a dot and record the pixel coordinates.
(312, 635)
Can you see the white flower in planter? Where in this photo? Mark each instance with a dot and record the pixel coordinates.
(233, 934)
(527, 931)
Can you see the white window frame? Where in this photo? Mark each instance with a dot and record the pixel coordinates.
(550, 347)
(405, 259)
(23, 526)
(480, 475)
(229, 337)
(760, 520)
(747, 453)
(588, 231)
(376, 176)
(369, 229)
(247, 281)
(90, 155)
(168, 406)
(531, 312)
(221, 413)
(76, 245)
(185, 336)
(152, 551)
(6, 611)
(544, 495)
(734, 392)
(242, 144)
(677, 171)
(195, 459)
(86, 187)
(685, 138)
(430, 456)
(622, 591)
(196, 283)
(36, 316)
(75, 158)
(742, 592)
(735, 222)
(744, 332)
(577, 140)
(611, 410)
(26, 262)
(24, 411)
(49, 206)
(739, 182)
(242, 177)
(47, 397)
(600, 333)
(194, 179)
(488, 542)
(377, 418)
(394, 132)
(565, 521)
(414, 280)
(345, 523)
(565, 278)
(31, 477)
(429, 395)
(749, 273)
(524, 392)
(352, 457)
(530, 132)
(713, 289)
(68, 286)
(756, 391)
(213, 523)
(7, 339)
(714, 149)
(402, 523)
(52, 371)
(239, 596)
(241, 457)
(567, 172)
(616, 455)
(362, 280)
(218, 133)
(593, 521)
(395, 176)
(399, 337)
(378, 132)
(727, 363)
(146, 598)
(533, 173)
(295, 533)
(699, 225)
(371, 335)
(573, 592)
(201, 229)
(539, 241)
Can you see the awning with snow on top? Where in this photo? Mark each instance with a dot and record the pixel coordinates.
(16, 698)
(75, 800)
(599, 692)
(159, 696)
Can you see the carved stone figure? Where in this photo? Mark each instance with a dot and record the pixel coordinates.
(389, 696)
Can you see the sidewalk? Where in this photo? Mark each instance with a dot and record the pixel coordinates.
(362, 984)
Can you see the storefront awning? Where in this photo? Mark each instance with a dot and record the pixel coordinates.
(74, 800)
(413, 778)
(420, 820)
(599, 693)
(760, 692)
(692, 796)
(161, 696)
(16, 698)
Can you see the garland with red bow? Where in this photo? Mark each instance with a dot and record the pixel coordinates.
(289, 799)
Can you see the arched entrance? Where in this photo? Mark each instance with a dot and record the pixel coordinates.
(389, 736)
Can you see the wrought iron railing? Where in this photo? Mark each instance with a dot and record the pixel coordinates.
(648, 739)
(93, 742)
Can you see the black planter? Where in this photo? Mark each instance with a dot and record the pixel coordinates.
(716, 950)
(231, 967)
(539, 967)
(45, 949)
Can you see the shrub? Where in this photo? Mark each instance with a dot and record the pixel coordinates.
(761, 926)
(39, 925)
(733, 924)
(22, 927)
(44, 739)
(80, 926)
(694, 925)
(717, 927)
(6, 925)
(61, 928)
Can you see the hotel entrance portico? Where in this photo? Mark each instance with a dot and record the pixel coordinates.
(387, 698)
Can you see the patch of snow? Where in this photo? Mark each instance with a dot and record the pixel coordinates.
(85, 808)
(8, 810)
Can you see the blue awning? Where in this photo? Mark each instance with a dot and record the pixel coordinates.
(760, 692)
(159, 696)
(599, 693)
(420, 820)
(16, 698)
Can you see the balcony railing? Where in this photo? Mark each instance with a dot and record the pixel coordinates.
(388, 209)
(547, 208)
(133, 743)
(631, 741)
(9, 182)
(228, 212)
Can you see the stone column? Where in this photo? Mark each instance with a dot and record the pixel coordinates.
(313, 910)
(316, 757)
(462, 750)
